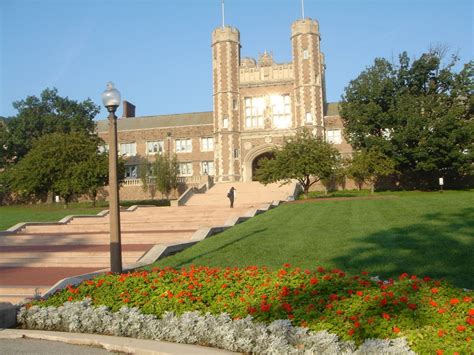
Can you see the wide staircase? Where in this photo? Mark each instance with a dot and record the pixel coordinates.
(35, 258)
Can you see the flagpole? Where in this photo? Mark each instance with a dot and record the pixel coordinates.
(223, 13)
(302, 8)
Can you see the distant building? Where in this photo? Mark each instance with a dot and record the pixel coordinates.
(256, 104)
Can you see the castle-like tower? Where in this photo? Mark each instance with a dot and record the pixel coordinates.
(225, 74)
(308, 68)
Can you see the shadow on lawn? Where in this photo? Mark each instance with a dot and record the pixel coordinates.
(440, 246)
(218, 248)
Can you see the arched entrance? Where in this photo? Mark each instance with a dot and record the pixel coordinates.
(258, 159)
(250, 160)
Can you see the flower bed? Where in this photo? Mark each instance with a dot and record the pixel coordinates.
(431, 314)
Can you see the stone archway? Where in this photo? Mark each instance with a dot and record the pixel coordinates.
(256, 162)
(254, 154)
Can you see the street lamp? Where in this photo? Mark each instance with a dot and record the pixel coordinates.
(111, 100)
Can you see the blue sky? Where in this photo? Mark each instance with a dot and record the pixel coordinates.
(158, 52)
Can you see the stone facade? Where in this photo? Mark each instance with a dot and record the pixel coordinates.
(256, 104)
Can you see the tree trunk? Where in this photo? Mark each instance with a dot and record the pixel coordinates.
(372, 189)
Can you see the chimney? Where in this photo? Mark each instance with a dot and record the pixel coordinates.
(128, 109)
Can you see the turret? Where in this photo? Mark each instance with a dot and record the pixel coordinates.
(309, 74)
(225, 69)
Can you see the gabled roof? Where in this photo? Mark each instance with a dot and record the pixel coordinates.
(331, 109)
(161, 121)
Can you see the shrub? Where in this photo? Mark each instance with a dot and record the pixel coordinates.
(431, 314)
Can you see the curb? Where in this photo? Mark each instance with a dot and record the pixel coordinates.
(113, 343)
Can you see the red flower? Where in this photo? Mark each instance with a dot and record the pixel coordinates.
(351, 332)
(370, 320)
(264, 307)
(454, 301)
(224, 286)
(396, 330)
(386, 316)
(471, 312)
(470, 320)
(412, 306)
(460, 328)
(440, 333)
(251, 310)
(313, 281)
(433, 303)
(439, 352)
(126, 300)
(426, 278)
(467, 299)
(321, 269)
(383, 302)
(357, 324)
(69, 298)
(339, 311)
(286, 265)
(286, 307)
(441, 310)
(359, 293)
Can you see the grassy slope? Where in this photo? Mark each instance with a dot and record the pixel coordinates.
(11, 215)
(419, 233)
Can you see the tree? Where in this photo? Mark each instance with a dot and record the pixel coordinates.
(303, 157)
(167, 171)
(47, 114)
(419, 113)
(160, 175)
(147, 175)
(64, 164)
(367, 166)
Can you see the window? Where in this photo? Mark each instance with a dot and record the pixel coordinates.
(236, 153)
(234, 104)
(154, 147)
(103, 148)
(334, 136)
(131, 172)
(183, 145)
(225, 122)
(281, 111)
(254, 107)
(207, 168)
(308, 118)
(207, 144)
(305, 54)
(185, 169)
(128, 149)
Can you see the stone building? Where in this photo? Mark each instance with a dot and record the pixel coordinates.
(256, 104)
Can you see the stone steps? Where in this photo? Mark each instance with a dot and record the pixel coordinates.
(19, 293)
(66, 259)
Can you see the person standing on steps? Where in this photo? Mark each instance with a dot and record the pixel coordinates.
(231, 195)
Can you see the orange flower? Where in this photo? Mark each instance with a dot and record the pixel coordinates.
(434, 290)
(396, 330)
(454, 301)
(460, 328)
(433, 303)
(439, 352)
(440, 333)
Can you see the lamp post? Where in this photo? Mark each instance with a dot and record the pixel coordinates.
(111, 100)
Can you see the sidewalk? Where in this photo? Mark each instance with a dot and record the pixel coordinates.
(55, 344)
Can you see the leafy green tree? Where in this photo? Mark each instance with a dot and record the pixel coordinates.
(419, 113)
(64, 164)
(367, 166)
(147, 173)
(42, 115)
(166, 174)
(303, 157)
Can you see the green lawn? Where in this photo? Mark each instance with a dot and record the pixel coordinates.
(418, 233)
(11, 215)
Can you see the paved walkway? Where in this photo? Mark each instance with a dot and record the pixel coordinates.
(40, 255)
(47, 342)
